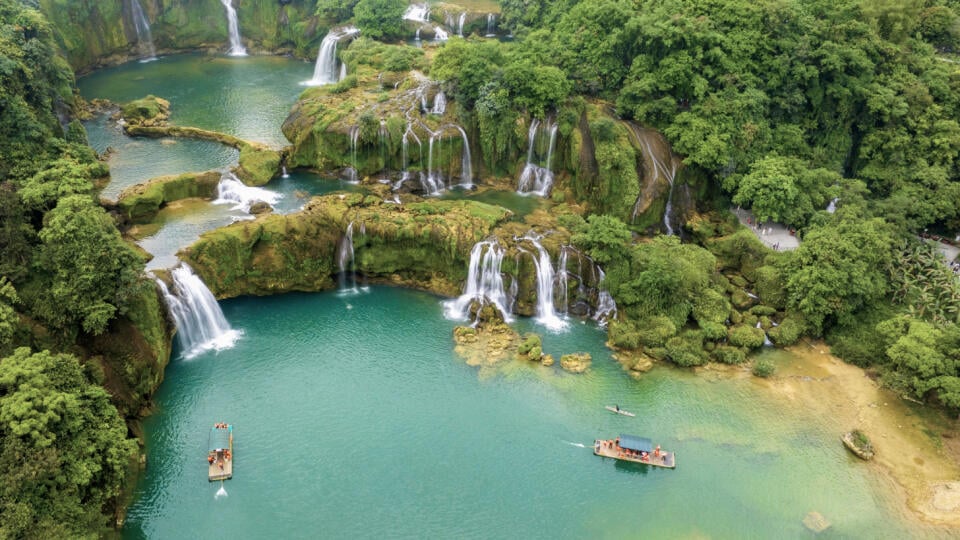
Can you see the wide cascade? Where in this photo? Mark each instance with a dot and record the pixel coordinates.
(484, 282)
(236, 45)
(417, 13)
(201, 325)
(144, 38)
(231, 190)
(327, 69)
(536, 179)
(546, 313)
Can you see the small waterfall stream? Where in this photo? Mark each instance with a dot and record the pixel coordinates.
(606, 306)
(236, 45)
(659, 163)
(328, 69)
(439, 103)
(348, 272)
(144, 38)
(434, 180)
(201, 325)
(484, 282)
(491, 24)
(460, 21)
(534, 179)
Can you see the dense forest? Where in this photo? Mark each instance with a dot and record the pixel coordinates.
(780, 106)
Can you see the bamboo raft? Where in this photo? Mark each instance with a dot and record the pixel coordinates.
(220, 456)
(635, 449)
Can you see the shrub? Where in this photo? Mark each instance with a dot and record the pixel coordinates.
(743, 335)
(624, 334)
(655, 331)
(687, 350)
(729, 355)
(789, 331)
(763, 367)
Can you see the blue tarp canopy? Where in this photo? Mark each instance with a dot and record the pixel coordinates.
(632, 442)
(220, 438)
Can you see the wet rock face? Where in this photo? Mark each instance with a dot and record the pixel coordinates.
(260, 207)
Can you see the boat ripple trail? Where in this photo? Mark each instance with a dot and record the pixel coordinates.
(578, 445)
(221, 492)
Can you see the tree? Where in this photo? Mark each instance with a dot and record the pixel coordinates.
(63, 448)
(839, 269)
(380, 18)
(90, 272)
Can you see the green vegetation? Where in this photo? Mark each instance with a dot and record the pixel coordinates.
(63, 448)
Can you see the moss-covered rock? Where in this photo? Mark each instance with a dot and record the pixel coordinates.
(148, 111)
(415, 242)
(140, 203)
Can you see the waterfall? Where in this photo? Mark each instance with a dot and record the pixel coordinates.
(433, 180)
(417, 35)
(606, 306)
(417, 13)
(231, 190)
(352, 174)
(344, 260)
(144, 37)
(491, 24)
(439, 103)
(460, 21)
(766, 338)
(201, 325)
(832, 207)
(655, 168)
(439, 34)
(466, 167)
(535, 179)
(562, 279)
(546, 315)
(484, 282)
(326, 70)
(284, 173)
(236, 46)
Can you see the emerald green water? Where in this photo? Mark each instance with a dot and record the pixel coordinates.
(353, 417)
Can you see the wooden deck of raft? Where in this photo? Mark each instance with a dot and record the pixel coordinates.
(216, 473)
(609, 449)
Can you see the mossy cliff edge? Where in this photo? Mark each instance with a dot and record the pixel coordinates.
(424, 244)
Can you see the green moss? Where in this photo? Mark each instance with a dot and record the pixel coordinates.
(141, 202)
(258, 165)
(145, 111)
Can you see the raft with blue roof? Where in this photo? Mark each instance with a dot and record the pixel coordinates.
(635, 449)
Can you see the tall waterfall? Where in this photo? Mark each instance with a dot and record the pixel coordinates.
(484, 282)
(434, 180)
(144, 38)
(546, 314)
(236, 46)
(417, 13)
(491, 24)
(535, 179)
(460, 21)
(345, 262)
(327, 70)
(201, 325)
(563, 277)
(659, 163)
(352, 175)
(231, 190)
(606, 306)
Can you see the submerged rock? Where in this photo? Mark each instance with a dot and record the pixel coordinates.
(816, 522)
(576, 362)
(260, 207)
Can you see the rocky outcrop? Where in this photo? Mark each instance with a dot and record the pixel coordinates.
(858, 444)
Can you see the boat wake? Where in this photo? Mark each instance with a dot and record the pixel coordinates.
(578, 445)
(221, 492)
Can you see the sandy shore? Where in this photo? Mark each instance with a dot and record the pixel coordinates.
(918, 450)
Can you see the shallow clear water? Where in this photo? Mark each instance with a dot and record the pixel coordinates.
(248, 97)
(353, 417)
(134, 160)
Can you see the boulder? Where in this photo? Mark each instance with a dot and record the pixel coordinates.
(576, 362)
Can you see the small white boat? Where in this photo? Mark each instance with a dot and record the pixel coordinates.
(618, 410)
